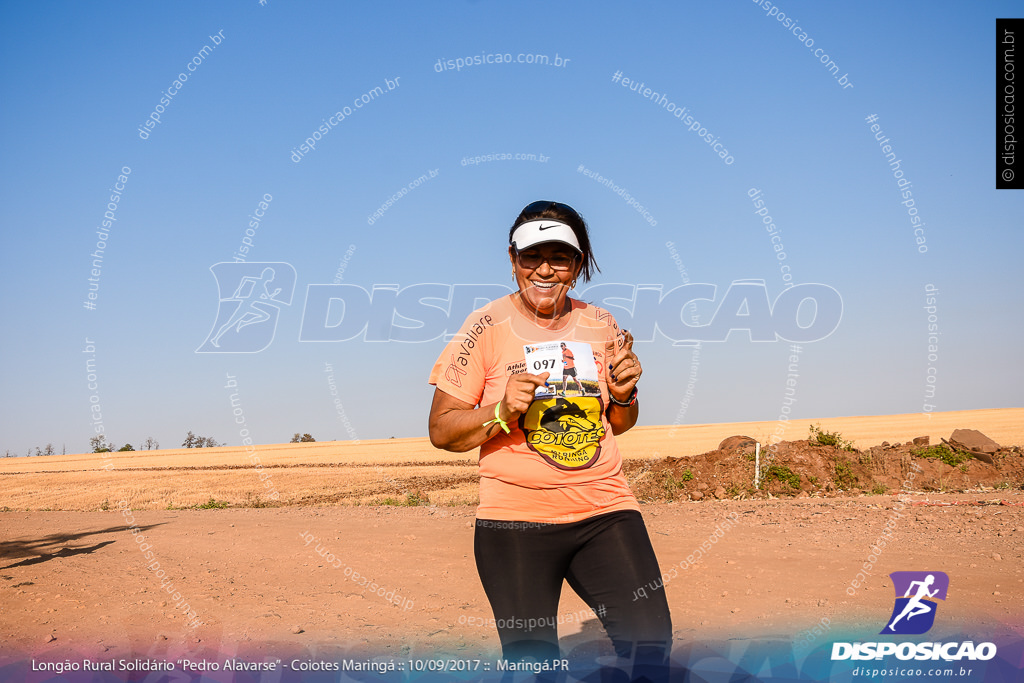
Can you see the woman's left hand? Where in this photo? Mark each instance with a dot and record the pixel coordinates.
(624, 368)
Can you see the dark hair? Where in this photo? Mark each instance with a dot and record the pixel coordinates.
(565, 214)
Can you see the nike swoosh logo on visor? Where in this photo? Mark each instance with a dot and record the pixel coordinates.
(545, 227)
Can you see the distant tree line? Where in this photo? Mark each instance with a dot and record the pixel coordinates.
(48, 450)
(193, 441)
(99, 444)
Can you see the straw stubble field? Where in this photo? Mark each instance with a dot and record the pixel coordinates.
(389, 471)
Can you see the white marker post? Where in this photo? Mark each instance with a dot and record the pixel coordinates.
(757, 464)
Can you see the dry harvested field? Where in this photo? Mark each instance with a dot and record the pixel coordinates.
(75, 583)
(393, 470)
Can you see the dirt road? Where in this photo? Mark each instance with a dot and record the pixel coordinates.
(401, 580)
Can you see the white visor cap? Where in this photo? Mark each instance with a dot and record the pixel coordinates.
(536, 232)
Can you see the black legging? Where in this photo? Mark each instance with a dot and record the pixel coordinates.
(605, 559)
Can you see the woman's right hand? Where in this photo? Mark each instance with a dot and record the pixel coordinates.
(519, 394)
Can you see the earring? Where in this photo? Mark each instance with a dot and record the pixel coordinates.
(572, 285)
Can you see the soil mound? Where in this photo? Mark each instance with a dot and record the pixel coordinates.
(809, 468)
(734, 442)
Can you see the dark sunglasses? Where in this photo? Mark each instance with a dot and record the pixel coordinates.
(531, 260)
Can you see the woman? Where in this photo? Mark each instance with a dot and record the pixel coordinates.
(554, 503)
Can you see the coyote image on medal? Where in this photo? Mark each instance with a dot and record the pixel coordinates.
(564, 416)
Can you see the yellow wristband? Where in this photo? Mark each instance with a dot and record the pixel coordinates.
(497, 418)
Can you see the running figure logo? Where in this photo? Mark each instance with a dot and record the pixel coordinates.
(250, 297)
(914, 611)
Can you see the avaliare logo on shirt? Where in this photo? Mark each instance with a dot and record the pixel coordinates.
(453, 373)
(566, 432)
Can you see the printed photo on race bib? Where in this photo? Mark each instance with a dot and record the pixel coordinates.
(571, 364)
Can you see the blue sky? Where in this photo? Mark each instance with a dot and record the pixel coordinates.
(80, 80)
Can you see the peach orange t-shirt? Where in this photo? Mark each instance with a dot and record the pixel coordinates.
(560, 462)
